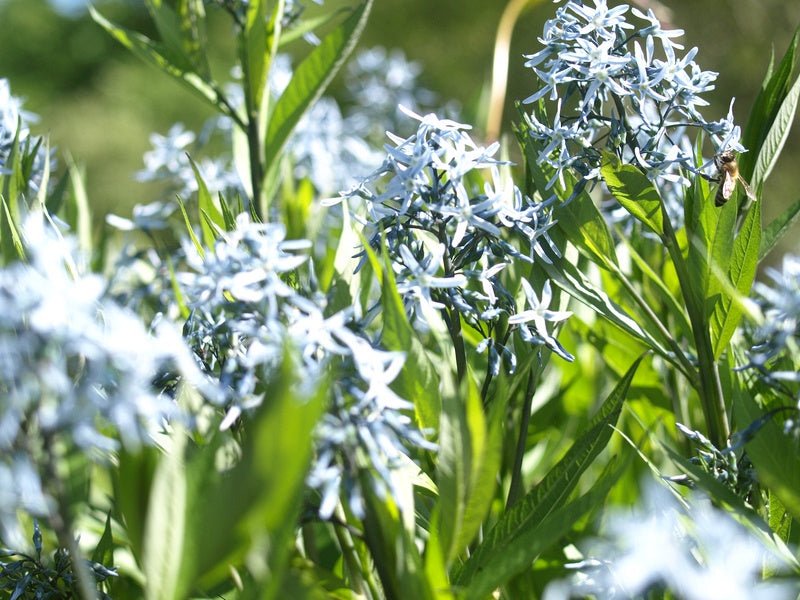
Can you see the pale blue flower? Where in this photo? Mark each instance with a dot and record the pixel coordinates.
(614, 93)
(14, 123)
(688, 547)
(539, 314)
(448, 238)
(246, 315)
(77, 370)
(418, 277)
(169, 161)
(775, 350)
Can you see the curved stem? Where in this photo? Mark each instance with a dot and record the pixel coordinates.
(502, 47)
(251, 129)
(60, 522)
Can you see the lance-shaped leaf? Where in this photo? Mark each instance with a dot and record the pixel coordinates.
(308, 83)
(503, 551)
(774, 232)
(156, 54)
(773, 91)
(741, 273)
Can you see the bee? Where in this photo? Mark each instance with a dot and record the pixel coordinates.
(727, 176)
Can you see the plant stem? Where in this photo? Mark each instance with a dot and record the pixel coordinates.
(254, 142)
(359, 576)
(515, 490)
(60, 522)
(502, 47)
(453, 320)
(711, 396)
(683, 364)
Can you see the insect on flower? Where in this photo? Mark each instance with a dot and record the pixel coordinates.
(727, 175)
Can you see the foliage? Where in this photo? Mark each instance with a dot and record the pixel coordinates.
(446, 381)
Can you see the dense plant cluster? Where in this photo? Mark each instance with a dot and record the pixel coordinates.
(328, 365)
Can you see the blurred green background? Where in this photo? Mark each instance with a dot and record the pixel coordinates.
(100, 103)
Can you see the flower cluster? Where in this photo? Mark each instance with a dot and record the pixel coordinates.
(730, 466)
(169, 161)
(688, 547)
(449, 242)
(378, 81)
(623, 88)
(333, 145)
(774, 354)
(76, 369)
(779, 334)
(14, 123)
(245, 315)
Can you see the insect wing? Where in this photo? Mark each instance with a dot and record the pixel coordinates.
(748, 190)
(726, 188)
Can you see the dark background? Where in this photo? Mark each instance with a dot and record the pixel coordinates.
(100, 103)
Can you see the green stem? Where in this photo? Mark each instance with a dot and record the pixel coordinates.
(254, 142)
(359, 576)
(711, 396)
(683, 364)
(60, 523)
(516, 489)
(453, 321)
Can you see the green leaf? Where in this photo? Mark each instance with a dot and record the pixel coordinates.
(742, 271)
(462, 442)
(393, 550)
(776, 136)
(206, 206)
(774, 232)
(780, 521)
(162, 555)
(297, 210)
(301, 28)
(104, 551)
(56, 196)
(268, 483)
(526, 518)
(12, 183)
(12, 247)
(418, 381)
(44, 184)
(155, 54)
(773, 453)
(709, 231)
(570, 279)
(486, 464)
(192, 15)
(671, 302)
(308, 83)
(770, 97)
(228, 216)
(190, 230)
(260, 40)
(520, 551)
(634, 191)
(77, 211)
(132, 481)
(169, 27)
(177, 293)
